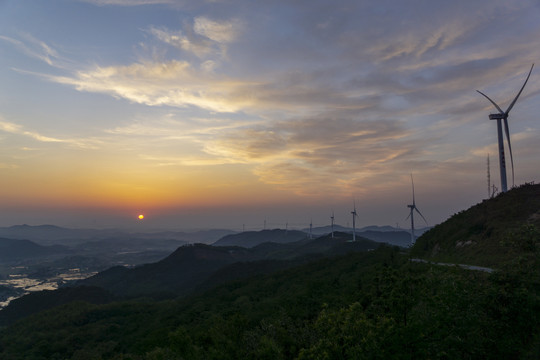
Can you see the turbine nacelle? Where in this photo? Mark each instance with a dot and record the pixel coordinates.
(497, 116)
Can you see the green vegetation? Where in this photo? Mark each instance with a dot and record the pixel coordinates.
(487, 233)
(359, 305)
(373, 305)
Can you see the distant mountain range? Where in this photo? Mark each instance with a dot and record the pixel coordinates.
(250, 239)
(322, 230)
(51, 234)
(192, 267)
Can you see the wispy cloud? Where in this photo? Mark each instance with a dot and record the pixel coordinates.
(338, 152)
(218, 31)
(35, 48)
(128, 2)
(173, 83)
(205, 38)
(201, 47)
(17, 129)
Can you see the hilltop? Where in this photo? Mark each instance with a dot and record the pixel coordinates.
(492, 232)
(250, 239)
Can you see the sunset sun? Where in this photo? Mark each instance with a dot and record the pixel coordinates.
(141, 216)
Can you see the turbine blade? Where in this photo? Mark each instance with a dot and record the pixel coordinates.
(418, 211)
(407, 218)
(519, 93)
(412, 182)
(507, 131)
(493, 102)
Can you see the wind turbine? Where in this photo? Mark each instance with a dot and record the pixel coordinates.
(411, 214)
(503, 115)
(354, 215)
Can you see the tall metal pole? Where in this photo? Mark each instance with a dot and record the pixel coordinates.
(412, 223)
(354, 225)
(502, 162)
(488, 178)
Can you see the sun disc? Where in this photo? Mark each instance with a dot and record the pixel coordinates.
(141, 216)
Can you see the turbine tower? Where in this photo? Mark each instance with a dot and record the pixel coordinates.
(332, 218)
(488, 178)
(500, 116)
(354, 215)
(411, 213)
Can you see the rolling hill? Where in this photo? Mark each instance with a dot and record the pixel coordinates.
(250, 239)
(488, 234)
(14, 250)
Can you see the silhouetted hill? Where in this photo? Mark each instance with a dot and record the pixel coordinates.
(324, 245)
(177, 274)
(250, 239)
(189, 266)
(15, 250)
(386, 234)
(399, 238)
(201, 266)
(491, 232)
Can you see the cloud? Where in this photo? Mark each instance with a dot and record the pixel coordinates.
(17, 129)
(302, 154)
(128, 2)
(207, 39)
(218, 31)
(200, 47)
(173, 83)
(35, 48)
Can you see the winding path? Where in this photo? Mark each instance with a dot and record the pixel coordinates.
(468, 267)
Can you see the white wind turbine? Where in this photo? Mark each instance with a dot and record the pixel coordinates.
(503, 115)
(411, 213)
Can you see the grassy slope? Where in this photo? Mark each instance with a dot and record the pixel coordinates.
(487, 233)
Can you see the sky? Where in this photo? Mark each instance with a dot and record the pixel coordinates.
(236, 113)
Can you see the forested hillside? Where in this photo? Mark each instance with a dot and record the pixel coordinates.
(362, 305)
(492, 232)
(354, 305)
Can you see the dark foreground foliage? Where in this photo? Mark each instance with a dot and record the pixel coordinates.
(371, 305)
